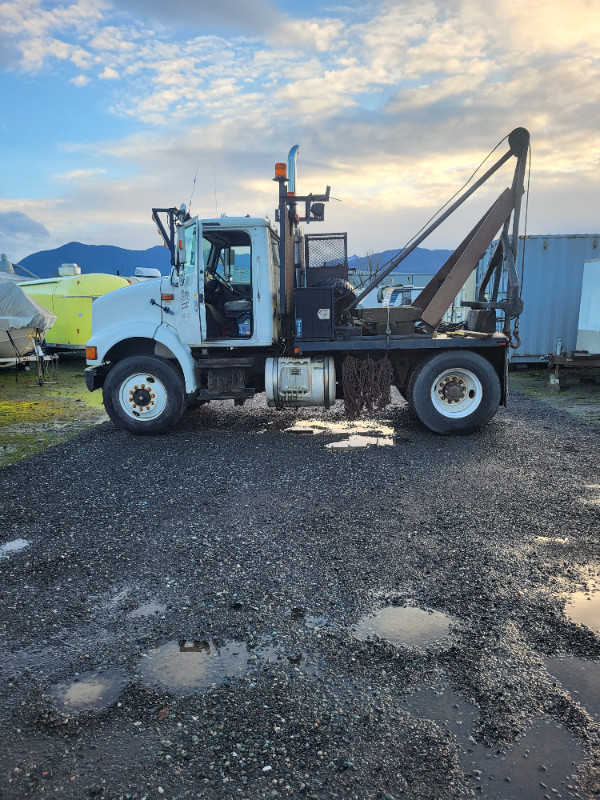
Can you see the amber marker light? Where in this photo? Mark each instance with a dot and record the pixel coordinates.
(167, 297)
(91, 353)
(280, 170)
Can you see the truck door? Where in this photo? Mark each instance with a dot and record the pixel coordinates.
(186, 303)
(227, 301)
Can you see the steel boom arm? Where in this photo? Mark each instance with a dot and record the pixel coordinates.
(444, 286)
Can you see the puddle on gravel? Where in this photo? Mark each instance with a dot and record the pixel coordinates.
(28, 662)
(405, 625)
(580, 678)
(356, 441)
(360, 433)
(185, 667)
(90, 691)
(542, 764)
(445, 707)
(584, 606)
(13, 547)
(147, 610)
(118, 597)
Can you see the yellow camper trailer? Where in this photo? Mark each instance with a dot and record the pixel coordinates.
(70, 298)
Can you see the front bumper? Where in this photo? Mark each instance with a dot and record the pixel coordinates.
(95, 377)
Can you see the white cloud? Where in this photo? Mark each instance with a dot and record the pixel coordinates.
(110, 39)
(34, 25)
(20, 233)
(393, 107)
(532, 29)
(80, 174)
(321, 35)
(108, 74)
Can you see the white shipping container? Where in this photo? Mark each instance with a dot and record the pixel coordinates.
(588, 332)
(551, 269)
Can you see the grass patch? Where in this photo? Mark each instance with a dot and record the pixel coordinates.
(34, 417)
(579, 393)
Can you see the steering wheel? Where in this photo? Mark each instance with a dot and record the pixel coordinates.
(228, 286)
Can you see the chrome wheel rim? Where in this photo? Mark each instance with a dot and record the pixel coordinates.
(456, 393)
(143, 396)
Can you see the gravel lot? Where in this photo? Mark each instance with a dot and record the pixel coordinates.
(177, 614)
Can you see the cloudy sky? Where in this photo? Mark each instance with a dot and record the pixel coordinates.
(109, 108)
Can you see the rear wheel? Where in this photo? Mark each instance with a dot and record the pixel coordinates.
(454, 393)
(144, 394)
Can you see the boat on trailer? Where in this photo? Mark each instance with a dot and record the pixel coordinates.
(23, 324)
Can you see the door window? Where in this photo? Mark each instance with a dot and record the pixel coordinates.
(228, 284)
(190, 241)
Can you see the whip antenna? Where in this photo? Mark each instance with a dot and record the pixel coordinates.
(215, 187)
(193, 186)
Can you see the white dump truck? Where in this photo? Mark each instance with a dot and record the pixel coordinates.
(251, 306)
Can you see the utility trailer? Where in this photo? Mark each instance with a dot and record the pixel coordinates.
(253, 307)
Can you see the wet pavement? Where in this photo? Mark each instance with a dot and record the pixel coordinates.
(237, 611)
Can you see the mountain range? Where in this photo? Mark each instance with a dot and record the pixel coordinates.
(112, 260)
(97, 258)
(420, 261)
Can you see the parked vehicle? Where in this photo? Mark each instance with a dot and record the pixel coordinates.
(23, 324)
(69, 297)
(244, 311)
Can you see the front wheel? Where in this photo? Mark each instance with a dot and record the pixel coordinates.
(454, 393)
(144, 394)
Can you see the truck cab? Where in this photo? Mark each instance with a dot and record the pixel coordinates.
(221, 298)
(225, 283)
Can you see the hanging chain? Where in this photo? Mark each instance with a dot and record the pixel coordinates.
(367, 384)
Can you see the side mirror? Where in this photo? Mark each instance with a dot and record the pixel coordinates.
(317, 212)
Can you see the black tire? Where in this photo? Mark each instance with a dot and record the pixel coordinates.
(455, 392)
(144, 394)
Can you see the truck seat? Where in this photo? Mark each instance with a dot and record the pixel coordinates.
(235, 307)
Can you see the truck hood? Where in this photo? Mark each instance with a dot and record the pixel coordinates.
(130, 302)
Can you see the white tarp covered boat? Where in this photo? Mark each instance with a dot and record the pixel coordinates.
(14, 272)
(22, 321)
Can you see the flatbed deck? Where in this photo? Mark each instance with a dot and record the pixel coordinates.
(457, 339)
